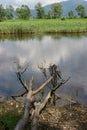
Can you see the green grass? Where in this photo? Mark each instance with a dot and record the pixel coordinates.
(8, 121)
(43, 26)
(10, 113)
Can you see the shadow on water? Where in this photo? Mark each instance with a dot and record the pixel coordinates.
(40, 36)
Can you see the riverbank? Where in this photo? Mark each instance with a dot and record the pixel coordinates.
(43, 26)
(69, 117)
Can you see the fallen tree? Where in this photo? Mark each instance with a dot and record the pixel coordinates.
(33, 107)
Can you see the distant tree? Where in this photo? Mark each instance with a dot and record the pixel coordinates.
(50, 14)
(71, 14)
(2, 12)
(81, 11)
(9, 12)
(56, 10)
(40, 11)
(23, 12)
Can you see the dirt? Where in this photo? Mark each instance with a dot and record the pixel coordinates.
(68, 117)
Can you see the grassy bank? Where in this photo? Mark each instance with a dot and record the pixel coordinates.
(43, 26)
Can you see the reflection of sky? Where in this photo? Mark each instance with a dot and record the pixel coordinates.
(68, 53)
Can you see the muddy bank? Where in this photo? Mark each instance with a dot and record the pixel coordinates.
(69, 117)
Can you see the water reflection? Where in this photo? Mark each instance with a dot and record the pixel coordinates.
(70, 53)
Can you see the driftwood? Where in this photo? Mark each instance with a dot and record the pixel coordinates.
(30, 102)
(38, 108)
(29, 105)
(55, 80)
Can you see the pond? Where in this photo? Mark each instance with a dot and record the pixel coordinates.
(68, 52)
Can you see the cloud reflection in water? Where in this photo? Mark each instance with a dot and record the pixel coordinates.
(70, 53)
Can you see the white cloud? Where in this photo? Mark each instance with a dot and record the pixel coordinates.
(71, 54)
(30, 3)
(34, 2)
(45, 2)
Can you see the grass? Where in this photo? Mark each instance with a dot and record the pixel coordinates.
(10, 113)
(43, 26)
(8, 121)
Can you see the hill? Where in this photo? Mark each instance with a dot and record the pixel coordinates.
(67, 6)
(71, 5)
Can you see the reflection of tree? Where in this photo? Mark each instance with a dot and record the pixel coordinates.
(75, 92)
(2, 98)
(40, 36)
(78, 93)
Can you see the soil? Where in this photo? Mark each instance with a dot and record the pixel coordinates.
(68, 117)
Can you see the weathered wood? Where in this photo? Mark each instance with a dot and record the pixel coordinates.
(42, 86)
(56, 81)
(28, 105)
(38, 108)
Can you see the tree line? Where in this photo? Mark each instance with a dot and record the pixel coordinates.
(24, 12)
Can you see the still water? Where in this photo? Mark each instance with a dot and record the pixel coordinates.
(68, 52)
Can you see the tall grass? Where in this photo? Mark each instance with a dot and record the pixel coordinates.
(43, 25)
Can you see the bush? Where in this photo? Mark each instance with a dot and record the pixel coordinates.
(63, 18)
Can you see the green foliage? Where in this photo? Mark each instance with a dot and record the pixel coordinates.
(85, 16)
(2, 12)
(8, 121)
(23, 12)
(81, 11)
(50, 14)
(56, 10)
(40, 11)
(45, 25)
(71, 14)
(9, 12)
(62, 18)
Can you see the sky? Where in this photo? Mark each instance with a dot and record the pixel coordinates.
(30, 3)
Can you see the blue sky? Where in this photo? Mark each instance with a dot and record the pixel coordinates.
(30, 3)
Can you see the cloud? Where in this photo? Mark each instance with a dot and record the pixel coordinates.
(68, 53)
(34, 2)
(30, 3)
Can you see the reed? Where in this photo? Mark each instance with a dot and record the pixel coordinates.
(43, 26)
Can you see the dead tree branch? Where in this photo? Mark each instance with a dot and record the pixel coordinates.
(28, 105)
(55, 80)
(42, 86)
(38, 108)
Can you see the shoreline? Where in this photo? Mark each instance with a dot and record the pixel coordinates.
(47, 32)
(72, 116)
(49, 26)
